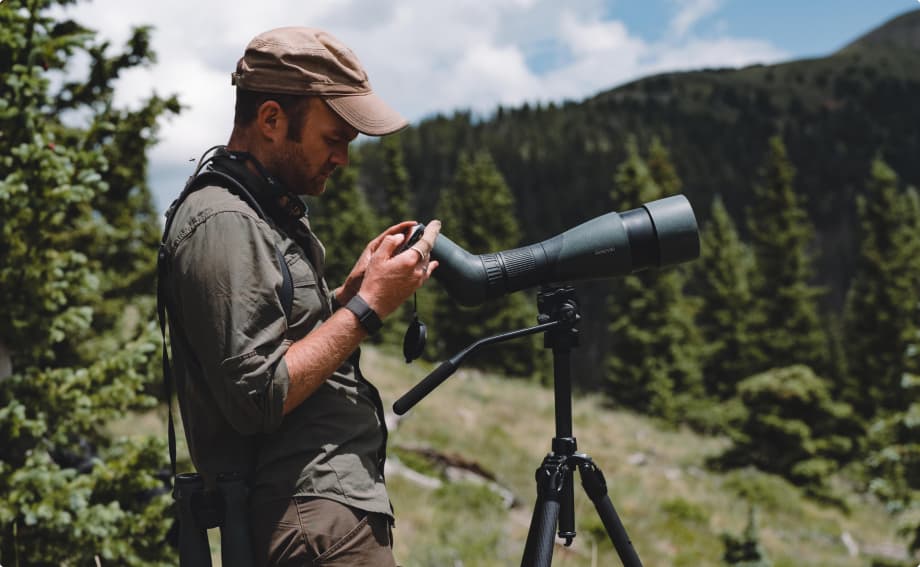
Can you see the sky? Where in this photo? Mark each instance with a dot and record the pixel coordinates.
(436, 56)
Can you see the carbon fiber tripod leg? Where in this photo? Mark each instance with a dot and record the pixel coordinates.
(541, 538)
(592, 479)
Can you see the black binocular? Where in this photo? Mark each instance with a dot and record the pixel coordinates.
(201, 508)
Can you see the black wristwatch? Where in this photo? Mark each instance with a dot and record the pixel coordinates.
(365, 314)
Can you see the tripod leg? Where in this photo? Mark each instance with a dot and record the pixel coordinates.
(596, 487)
(538, 551)
(541, 538)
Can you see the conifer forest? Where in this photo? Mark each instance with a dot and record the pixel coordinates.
(795, 337)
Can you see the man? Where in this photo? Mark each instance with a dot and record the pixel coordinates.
(269, 387)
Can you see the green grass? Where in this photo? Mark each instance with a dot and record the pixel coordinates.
(673, 508)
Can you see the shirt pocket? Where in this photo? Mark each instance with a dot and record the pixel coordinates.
(308, 307)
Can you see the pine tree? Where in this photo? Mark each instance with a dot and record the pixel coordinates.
(343, 220)
(71, 206)
(655, 348)
(633, 183)
(793, 427)
(397, 207)
(661, 169)
(396, 189)
(789, 329)
(893, 460)
(881, 310)
(477, 213)
(723, 275)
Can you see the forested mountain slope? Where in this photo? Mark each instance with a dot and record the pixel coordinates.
(834, 113)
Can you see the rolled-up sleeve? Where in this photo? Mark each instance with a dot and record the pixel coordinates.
(228, 283)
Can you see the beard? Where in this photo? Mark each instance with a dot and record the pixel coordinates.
(298, 174)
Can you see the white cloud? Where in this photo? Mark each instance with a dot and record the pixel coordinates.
(689, 13)
(587, 38)
(720, 52)
(422, 56)
(604, 54)
(488, 75)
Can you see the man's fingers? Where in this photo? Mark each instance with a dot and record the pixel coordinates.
(402, 227)
(426, 242)
(390, 243)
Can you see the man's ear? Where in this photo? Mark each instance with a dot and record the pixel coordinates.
(271, 121)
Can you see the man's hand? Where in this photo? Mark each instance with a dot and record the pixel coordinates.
(385, 281)
(390, 279)
(353, 282)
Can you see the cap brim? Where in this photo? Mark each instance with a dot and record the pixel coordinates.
(367, 113)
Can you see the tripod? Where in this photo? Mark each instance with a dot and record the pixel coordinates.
(555, 506)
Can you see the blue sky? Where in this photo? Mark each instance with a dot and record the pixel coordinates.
(802, 27)
(436, 56)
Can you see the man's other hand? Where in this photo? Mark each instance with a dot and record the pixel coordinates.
(353, 282)
(390, 277)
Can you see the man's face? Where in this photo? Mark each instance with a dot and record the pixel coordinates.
(305, 165)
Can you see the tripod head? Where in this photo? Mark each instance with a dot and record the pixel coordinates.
(558, 309)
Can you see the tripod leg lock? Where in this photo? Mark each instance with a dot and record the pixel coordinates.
(592, 479)
(551, 476)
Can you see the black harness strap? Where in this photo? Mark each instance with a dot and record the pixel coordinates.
(210, 177)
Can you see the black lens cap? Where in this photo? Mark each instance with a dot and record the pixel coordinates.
(415, 339)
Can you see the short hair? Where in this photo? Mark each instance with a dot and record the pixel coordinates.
(296, 107)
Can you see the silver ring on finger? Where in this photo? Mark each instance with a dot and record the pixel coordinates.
(421, 256)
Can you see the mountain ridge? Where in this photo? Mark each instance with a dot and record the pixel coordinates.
(900, 32)
(836, 114)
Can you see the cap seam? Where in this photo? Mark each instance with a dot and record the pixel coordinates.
(361, 118)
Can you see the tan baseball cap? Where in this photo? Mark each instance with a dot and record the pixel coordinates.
(309, 61)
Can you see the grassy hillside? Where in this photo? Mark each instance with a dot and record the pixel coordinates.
(672, 507)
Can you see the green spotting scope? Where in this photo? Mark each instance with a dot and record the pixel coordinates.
(659, 233)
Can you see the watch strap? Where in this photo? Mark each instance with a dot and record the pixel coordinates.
(365, 314)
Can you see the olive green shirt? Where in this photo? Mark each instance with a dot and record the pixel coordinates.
(229, 335)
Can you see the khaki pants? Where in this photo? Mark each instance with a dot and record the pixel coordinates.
(316, 531)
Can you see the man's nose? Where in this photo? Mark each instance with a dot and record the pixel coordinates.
(339, 157)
